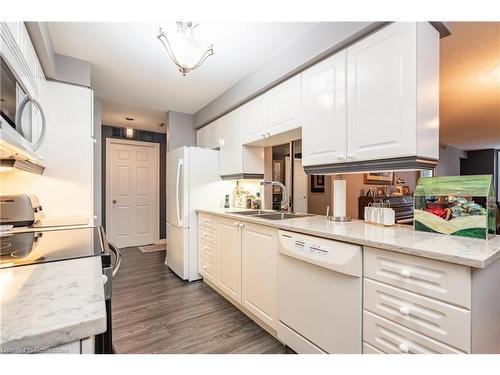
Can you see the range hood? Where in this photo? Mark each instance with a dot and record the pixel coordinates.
(23, 165)
(380, 165)
(13, 155)
(243, 176)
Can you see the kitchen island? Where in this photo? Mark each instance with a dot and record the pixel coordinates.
(54, 307)
(416, 292)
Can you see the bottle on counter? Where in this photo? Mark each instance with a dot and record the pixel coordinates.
(226, 201)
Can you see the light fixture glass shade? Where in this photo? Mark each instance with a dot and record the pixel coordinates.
(129, 132)
(183, 48)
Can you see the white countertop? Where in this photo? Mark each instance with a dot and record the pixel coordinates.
(49, 304)
(403, 239)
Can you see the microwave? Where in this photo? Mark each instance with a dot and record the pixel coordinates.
(16, 111)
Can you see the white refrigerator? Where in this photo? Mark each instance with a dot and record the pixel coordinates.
(193, 182)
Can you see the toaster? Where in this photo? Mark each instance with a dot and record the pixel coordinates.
(19, 210)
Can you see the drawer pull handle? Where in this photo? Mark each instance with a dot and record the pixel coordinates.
(205, 267)
(403, 348)
(405, 273)
(405, 310)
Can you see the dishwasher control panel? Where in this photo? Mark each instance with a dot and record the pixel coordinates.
(335, 255)
(310, 247)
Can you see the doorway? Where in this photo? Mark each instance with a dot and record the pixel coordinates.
(132, 185)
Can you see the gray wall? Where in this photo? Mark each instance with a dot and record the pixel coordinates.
(320, 41)
(449, 160)
(71, 70)
(180, 131)
(55, 66)
(97, 160)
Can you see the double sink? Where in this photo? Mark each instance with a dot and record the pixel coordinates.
(269, 215)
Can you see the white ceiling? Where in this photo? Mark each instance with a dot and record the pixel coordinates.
(135, 77)
(470, 86)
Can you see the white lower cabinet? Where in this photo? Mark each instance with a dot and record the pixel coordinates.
(418, 305)
(411, 304)
(242, 263)
(259, 271)
(438, 320)
(388, 337)
(228, 244)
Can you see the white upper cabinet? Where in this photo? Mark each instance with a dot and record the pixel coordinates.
(19, 53)
(382, 95)
(284, 106)
(273, 113)
(324, 112)
(213, 135)
(255, 119)
(230, 156)
(393, 93)
(234, 157)
(201, 137)
(377, 100)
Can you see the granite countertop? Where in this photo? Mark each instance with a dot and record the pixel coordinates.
(402, 239)
(49, 304)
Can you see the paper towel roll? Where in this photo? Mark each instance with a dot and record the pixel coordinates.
(339, 191)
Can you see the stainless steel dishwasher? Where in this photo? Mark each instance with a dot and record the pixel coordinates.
(319, 294)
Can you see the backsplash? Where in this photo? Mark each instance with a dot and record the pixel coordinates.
(228, 188)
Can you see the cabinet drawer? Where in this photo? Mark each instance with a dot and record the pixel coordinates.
(206, 234)
(206, 248)
(206, 267)
(368, 349)
(206, 221)
(444, 281)
(441, 321)
(391, 338)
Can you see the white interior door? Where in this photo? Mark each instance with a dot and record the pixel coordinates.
(299, 187)
(132, 215)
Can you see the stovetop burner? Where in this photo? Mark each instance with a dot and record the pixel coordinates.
(24, 248)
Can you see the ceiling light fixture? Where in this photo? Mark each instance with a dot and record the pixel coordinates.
(129, 131)
(186, 51)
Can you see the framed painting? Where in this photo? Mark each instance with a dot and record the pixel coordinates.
(317, 183)
(378, 178)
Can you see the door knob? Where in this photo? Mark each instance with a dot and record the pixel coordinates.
(114, 201)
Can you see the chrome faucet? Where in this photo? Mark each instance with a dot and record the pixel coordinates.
(284, 201)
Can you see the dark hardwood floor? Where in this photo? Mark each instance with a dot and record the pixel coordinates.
(156, 312)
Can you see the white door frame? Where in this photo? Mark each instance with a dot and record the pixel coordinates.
(156, 178)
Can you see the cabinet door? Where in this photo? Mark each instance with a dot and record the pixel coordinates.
(229, 258)
(201, 137)
(230, 156)
(381, 78)
(324, 112)
(259, 271)
(284, 106)
(213, 135)
(255, 119)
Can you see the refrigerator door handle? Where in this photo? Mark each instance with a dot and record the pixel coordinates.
(180, 163)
